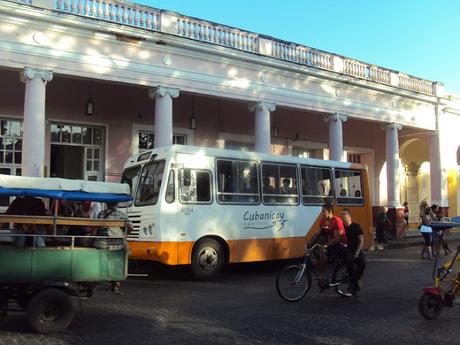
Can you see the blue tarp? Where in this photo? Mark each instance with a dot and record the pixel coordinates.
(66, 195)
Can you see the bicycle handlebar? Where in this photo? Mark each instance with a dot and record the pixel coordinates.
(307, 250)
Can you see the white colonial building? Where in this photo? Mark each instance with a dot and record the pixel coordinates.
(87, 83)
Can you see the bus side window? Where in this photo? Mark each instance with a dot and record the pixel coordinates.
(195, 186)
(348, 187)
(150, 183)
(279, 184)
(237, 182)
(170, 195)
(316, 185)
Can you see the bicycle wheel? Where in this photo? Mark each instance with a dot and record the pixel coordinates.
(340, 280)
(293, 283)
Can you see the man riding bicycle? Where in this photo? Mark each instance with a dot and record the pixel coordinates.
(333, 238)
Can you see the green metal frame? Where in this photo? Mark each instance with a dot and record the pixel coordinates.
(77, 264)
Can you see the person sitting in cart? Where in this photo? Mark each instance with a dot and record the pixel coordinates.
(28, 206)
(116, 243)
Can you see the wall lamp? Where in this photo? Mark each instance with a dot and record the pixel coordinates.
(89, 107)
(192, 124)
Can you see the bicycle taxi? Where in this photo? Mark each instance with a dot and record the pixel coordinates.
(446, 277)
(43, 279)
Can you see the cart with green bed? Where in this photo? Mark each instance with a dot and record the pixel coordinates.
(44, 281)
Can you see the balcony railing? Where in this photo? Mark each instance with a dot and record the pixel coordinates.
(213, 33)
(113, 11)
(148, 18)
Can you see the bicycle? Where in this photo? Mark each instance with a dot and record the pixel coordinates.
(438, 242)
(294, 281)
(446, 285)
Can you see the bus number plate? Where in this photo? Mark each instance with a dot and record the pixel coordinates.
(187, 211)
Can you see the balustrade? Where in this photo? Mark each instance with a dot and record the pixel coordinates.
(302, 55)
(415, 84)
(379, 75)
(113, 11)
(356, 69)
(217, 34)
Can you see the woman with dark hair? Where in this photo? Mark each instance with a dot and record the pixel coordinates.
(426, 231)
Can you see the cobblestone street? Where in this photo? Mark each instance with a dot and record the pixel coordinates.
(242, 307)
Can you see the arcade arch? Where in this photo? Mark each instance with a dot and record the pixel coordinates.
(415, 174)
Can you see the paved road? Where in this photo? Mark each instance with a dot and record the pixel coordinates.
(242, 307)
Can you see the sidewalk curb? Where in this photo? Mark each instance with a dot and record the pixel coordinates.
(414, 242)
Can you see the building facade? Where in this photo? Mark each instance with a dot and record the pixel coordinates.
(87, 83)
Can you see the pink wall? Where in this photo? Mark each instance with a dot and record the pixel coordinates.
(119, 105)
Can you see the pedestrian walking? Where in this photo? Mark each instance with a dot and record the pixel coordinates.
(354, 256)
(406, 213)
(426, 231)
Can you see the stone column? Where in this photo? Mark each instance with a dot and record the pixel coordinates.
(163, 114)
(395, 210)
(262, 125)
(33, 139)
(335, 135)
(438, 175)
(392, 155)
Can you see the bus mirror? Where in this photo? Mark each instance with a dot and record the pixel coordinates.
(187, 177)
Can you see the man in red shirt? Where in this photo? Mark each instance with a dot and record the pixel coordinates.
(333, 237)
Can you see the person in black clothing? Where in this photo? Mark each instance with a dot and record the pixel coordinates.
(382, 222)
(354, 256)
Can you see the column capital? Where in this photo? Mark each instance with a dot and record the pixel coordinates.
(335, 117)
(31, 73)
(433, 133)
(262, 105)
(163, 91)
(392, 125)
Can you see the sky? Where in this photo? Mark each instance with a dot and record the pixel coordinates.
(417, 37)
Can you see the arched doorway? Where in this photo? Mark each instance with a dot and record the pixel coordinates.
(415, 175)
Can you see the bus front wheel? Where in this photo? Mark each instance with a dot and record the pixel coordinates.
(208, 259)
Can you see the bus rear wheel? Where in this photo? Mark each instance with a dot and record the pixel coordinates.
(208, 259)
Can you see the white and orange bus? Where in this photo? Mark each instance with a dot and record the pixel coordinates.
(208, 207)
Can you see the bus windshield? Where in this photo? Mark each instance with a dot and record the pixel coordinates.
(150, 183)
(131, 177)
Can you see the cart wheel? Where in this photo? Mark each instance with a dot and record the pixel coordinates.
(50, 311)
(430, 306)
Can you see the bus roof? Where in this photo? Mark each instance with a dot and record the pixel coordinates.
(164, 152)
